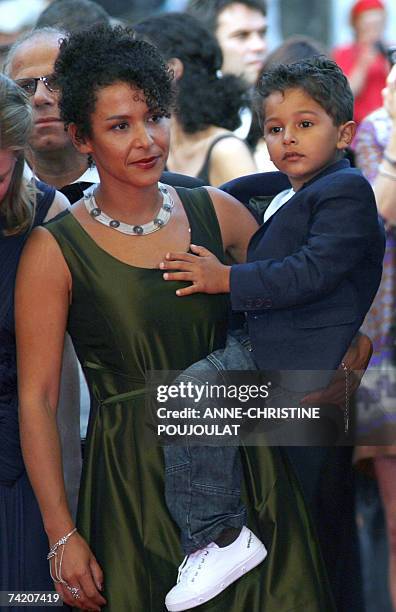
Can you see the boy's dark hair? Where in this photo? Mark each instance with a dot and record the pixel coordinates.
(207, 11)
(71, 15)
(92, 59)
(203, 96)
(319, 77)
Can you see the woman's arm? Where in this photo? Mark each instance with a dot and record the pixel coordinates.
(237, 224)
(42, 298)
(230, 158)
(374, 161)
(384, 185)
(68, 413)
(359, 73)
(206, 272)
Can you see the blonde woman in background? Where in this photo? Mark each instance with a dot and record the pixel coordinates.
(22, 207)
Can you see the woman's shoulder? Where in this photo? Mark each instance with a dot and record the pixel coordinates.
(196, 200)
(230, 157)
(49, 201)
(229, 147)
(378, 123)
(43, 195)
(223, 139)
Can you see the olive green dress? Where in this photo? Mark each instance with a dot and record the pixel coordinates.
(124, 321)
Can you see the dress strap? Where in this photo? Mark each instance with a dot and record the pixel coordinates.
(203, 174)
(205, 228)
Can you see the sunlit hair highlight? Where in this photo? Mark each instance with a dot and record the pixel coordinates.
(18, 204)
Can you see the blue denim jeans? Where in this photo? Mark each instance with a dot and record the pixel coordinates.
(203, 483)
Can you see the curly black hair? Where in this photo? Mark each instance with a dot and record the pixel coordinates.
(204, 97)
(319, 77)
(98, 57)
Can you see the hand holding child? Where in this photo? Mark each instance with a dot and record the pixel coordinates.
(206, 273)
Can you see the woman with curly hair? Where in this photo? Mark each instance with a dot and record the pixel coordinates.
(207, 103)
(96, 272)
(22, 207)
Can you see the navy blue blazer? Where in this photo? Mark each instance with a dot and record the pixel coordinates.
(312, 269)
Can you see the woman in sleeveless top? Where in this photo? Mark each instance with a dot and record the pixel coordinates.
(22, 206)
(105, 286)
(207, 105)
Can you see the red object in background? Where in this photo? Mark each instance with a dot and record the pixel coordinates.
(370, 97)
(365, 5)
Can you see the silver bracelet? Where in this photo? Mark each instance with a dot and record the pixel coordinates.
(53, 554)
(383, 172)
(346, 407)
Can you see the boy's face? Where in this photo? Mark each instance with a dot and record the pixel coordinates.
(301, 137)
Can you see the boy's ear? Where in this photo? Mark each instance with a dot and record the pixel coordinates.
(81, 144)
(345, 134)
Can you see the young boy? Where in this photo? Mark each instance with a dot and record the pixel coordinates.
(314, 266)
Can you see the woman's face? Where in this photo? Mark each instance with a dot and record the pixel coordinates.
(7, 164)
(128, 142)
(369, 26)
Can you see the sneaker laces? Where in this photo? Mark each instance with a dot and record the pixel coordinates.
(192, 562)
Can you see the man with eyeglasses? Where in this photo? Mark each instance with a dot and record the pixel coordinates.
(30, 63)
(29, 85)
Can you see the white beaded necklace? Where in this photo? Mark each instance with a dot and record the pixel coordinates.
(156, 224)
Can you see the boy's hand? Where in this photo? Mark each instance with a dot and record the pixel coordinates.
(206, 273)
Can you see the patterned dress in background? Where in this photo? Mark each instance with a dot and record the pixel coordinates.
(376, 399)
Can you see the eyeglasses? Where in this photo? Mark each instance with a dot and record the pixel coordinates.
(30, 85)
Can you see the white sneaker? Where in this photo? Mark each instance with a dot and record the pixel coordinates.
(210, 570)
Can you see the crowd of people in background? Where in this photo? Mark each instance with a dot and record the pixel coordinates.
(66, 111)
